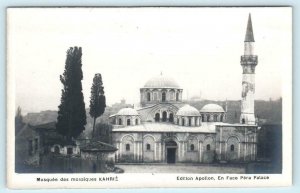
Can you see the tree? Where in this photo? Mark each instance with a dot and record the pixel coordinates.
(71, 111)
(97, 100)
(18, 120)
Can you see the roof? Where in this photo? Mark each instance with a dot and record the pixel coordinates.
(212, 108)
(206, 127)
(161, 81)
(98, 146)
(188, 110)
(127, 111)
(249, 32)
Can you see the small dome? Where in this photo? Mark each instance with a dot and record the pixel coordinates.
(127, 111)
(188, 110)
(161, 81)
(212, 108)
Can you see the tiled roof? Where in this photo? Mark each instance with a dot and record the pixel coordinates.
(98, 146)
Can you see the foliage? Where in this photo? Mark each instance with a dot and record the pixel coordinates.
(97, 100)
(71, 112)
(18, 120)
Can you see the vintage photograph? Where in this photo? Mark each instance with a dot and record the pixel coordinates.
(158, 90)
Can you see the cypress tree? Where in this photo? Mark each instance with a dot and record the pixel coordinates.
(97, 99)
(71, 111)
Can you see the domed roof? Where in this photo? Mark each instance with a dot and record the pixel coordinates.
(127, 111)
(188, 110)
(161, 81)
(212, 108)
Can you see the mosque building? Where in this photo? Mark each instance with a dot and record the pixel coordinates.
(165, 130)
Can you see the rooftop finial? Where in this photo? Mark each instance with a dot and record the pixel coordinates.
(249, 33)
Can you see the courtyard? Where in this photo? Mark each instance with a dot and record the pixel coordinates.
(183, 168)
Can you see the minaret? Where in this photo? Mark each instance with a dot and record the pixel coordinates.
(248, 63)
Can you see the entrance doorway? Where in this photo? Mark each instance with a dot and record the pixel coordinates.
(171, 154)
(171, 147)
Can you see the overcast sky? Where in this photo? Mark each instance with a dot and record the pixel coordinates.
(199, 47)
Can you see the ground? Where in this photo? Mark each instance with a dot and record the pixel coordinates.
(182, 168)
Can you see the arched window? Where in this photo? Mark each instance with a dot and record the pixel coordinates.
(136, 121)
(148, 96)
(155, 96)
(56, 150)
(208, 147)
(128, 121)
(190, 121)
(148, 147)
(120, 121)
(215, 118)
(171, 118)
(182, 121)
(192, 147)
(207, 118)
(127, 147)
(157, 117)
(232, 148)
(163, 97)
(164, 116)
(177, 96)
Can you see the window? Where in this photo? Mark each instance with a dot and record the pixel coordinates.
(207, 118)
(177, 96)
(127, 147)
(120, 121)
(203, 120)
(157, 117)
(221, 118)
(182, 120)
(30, 147)
(215, 118)
(36, 144)
(232, 148)
(148, 147)
(208, 147)
(136, 121)
(163, 97)
(69, 150)
(56, 150)
(171, 118)
(155, 96)
(243, 121)
(148, 96)
(190, 122)
(192, 147)
(128, 121)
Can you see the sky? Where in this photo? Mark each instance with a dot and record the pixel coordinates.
(199, 47)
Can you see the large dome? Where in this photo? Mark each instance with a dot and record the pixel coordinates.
(127, 111)
(188, 110)
(214, 108)
(161, 81)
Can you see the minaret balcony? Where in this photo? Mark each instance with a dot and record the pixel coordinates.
(251, 59)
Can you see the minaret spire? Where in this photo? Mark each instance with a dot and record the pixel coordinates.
(248, 62)
(249, 32)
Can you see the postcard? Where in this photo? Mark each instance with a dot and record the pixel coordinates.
(143, 97)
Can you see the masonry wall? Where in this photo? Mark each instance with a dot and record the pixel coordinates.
(236, 143)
